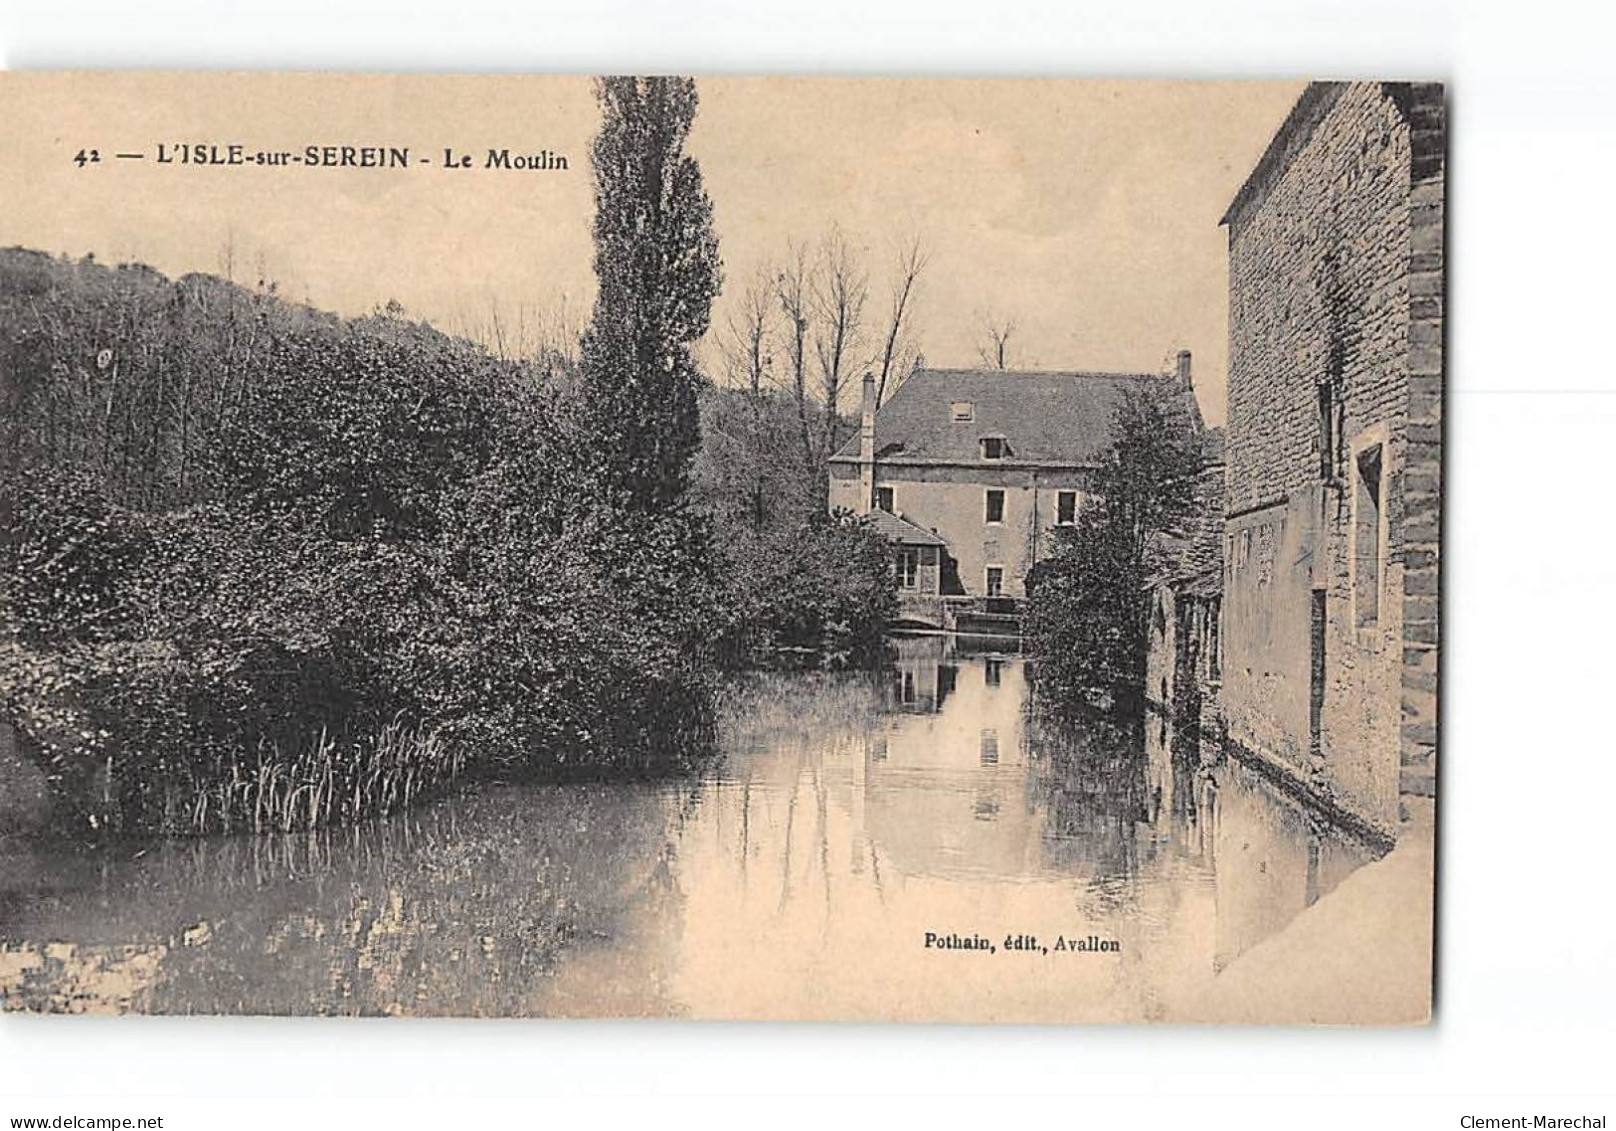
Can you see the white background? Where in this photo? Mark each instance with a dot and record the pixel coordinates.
(1526, 995)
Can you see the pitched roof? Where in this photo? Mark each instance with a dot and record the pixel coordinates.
(895, 529)
(1062, 418)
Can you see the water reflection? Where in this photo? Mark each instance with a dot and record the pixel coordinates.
(847, 818)
(463, 907)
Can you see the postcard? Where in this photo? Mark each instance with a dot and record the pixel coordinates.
(783, 548)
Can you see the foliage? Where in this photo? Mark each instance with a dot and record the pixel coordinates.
(1086, 616)
(656, 261)
(749, 473)
(125, 376)
(66, 554)
(822, 589)
(797, 581)
(378, 530)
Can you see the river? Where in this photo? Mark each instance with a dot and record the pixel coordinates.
(846, 818)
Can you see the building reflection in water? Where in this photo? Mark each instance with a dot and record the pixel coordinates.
(958, 809)
(848, 816)
(923, 675)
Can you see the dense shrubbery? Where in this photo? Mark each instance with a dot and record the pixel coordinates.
(378, 528)
(1081, 614)
(819, 593)
(800, 586)
(262, 567)
(1086, 610)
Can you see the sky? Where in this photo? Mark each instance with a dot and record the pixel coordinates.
(1085, 212)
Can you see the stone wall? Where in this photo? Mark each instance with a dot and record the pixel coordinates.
(1318, 281)
(1267, 594)
(1161, 671)
(1335, 360)
(1422, 473)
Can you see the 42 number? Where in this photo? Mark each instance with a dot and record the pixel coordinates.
(87, 157)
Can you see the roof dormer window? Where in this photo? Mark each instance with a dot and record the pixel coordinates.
(994, 447)
(962, 412)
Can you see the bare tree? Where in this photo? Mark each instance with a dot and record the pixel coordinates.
(746, 350)
(557, 334)
(823, 295)
(897, 351)
(793, 287)
(750, 332)
(546, 336)
(994, 349)
(840, 291)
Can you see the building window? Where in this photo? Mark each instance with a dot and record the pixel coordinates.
(995, 579)
(908, 567)
(990, 746)
(884, 500)
(1065, 508)
(993, 672)
(995, 505)
(962, 412)
(1326, 433)
(994, 447)
(1368, 534)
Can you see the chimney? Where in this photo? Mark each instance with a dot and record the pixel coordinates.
(867, 447)
(1184, 371)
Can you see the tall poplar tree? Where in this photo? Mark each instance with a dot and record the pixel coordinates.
(657, 263)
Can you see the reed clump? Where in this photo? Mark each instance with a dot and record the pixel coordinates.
(328, 781)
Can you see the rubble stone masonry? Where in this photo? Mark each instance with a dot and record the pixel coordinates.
(1334, 447)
